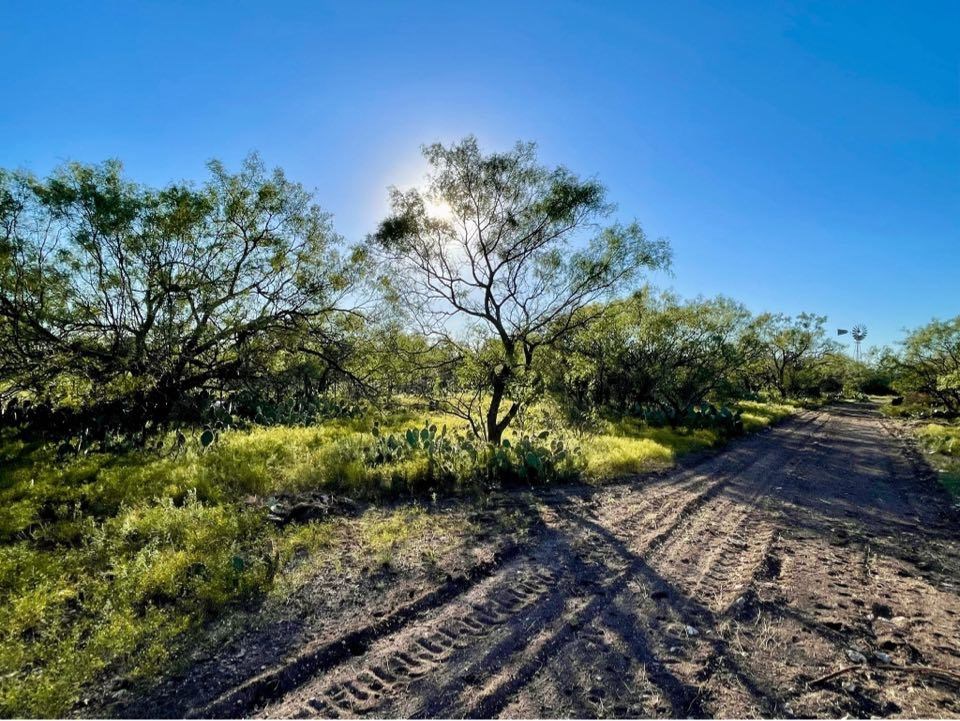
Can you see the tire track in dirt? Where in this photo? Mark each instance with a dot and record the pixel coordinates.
(422, 653)
(588, 565)
(681, 694)
(650, 509)
(846, 565)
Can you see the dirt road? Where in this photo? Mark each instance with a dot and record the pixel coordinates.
(721, 590)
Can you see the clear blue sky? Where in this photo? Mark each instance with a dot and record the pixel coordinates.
(800, 156)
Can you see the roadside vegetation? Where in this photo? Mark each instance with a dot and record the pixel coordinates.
(942, 445)
(926, 374)
(202, 385)
(108, 562)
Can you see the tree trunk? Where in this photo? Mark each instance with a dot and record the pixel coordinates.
(494, 429)
(495, 426)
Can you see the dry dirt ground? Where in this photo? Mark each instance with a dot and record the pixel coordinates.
(728, 588)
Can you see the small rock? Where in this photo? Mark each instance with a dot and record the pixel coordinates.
(691, 631)
(882, 657)
(856, 656)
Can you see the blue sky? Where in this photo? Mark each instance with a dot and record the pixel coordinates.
(800, 156)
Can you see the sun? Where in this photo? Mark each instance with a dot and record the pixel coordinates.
(438, 209)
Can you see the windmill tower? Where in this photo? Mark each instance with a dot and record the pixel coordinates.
(858, 333)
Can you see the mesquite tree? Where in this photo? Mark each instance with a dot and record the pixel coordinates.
(930, 362)
(656, 352)
(792, 345)
(518, 251)
(146, 296)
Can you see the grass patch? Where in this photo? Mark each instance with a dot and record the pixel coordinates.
(627, 446)
(383, 534)
(757, 415)
(82, 597)
(109, 563)
(942, 445)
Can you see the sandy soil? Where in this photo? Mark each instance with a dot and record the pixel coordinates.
(729, 588)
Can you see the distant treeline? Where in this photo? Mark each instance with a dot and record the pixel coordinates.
(499, 284)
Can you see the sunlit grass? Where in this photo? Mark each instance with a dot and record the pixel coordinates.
(940, 438)
(942, 444)
(108, 562)
(628, 446)
(757, 415)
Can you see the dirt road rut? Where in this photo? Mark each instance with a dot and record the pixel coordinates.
(722, 590)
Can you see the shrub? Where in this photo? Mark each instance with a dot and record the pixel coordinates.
(938, 438)
(456, 458)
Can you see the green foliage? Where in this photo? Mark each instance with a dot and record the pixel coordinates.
(81, 595)
(120, 304)
(523, 252)
(942, 445)
(297, 411)
(656, 357)
(756, 415)
(929, 364)
(461, 459)
(794, 352)
(631, 445)
(725, 421)
(938, 438)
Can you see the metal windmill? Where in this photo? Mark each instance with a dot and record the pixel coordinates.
(858, 333)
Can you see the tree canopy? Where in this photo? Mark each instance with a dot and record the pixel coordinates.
(143, 295)
(496, 284)
(515, 249)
